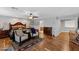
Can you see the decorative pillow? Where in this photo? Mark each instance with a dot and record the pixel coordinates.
(28, 30)
(19, 32)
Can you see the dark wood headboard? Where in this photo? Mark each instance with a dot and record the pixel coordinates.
(17, 25)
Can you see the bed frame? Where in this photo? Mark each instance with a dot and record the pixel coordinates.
(17, 26)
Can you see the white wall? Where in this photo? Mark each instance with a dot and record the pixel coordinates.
(54, 23)
(5, 20)
(57, 25)
(65, 29)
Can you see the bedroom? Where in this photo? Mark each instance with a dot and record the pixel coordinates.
(41, 27)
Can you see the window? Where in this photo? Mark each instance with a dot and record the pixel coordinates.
(70, 23)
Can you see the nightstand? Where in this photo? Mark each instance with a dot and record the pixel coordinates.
(3, 33)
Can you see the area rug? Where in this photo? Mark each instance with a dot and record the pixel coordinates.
(75, 42)
(27, 44)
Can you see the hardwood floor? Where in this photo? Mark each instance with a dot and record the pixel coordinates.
(5, 43)
(49, 43)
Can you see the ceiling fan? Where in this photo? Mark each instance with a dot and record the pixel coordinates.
(29, 14)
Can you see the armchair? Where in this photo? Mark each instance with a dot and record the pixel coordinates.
(20, 36)
(34, 32)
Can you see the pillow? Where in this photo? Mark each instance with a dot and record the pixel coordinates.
(28, 30)
(19, 32)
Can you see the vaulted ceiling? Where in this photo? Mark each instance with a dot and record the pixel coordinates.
(43, 12)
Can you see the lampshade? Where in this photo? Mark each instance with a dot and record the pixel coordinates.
(30, 17)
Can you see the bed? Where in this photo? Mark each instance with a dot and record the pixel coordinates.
(16, 32)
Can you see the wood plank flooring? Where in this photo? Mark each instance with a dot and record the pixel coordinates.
(49, 43)
(5, 43)
(61, 43)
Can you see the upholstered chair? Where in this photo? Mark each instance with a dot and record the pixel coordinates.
(19, 35)
(34, 32)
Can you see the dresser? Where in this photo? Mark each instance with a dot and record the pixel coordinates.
(48, 31)
(4, 33)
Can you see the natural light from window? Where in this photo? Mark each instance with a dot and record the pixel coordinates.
(70, 24)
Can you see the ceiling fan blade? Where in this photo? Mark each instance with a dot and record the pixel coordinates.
(35, 16)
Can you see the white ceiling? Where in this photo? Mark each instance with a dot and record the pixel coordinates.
(43, 12)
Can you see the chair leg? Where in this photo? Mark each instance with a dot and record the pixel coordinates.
(20, 41)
